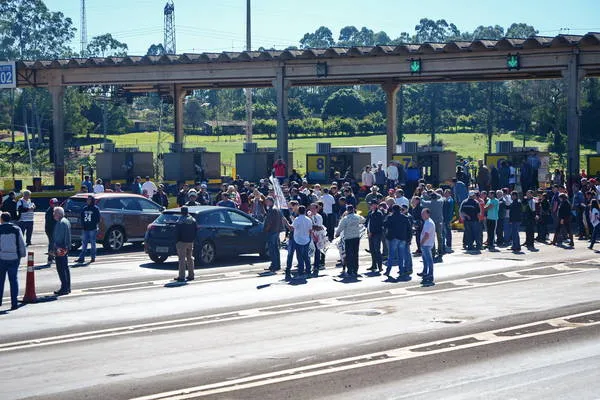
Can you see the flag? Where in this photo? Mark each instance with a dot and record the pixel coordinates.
(280, 202)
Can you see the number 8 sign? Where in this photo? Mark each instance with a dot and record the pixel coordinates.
(7, 75)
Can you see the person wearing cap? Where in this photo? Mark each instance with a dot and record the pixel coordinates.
(186, 236)
(380, 177)
(193, 197)
(374, 225)
(49, 224)
(564, 220)
(203, 195)
(61, 243)
(469, 211)
(90, 218)
(99, 186)
(25, 211)
(149, 187)
(160, 197)
(350, 226)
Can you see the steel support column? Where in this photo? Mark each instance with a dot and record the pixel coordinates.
(178, 97)
(58, 127)
(573, 80)
(281, 88)
(391, 89)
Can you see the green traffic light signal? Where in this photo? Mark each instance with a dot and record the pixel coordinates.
(415, 66)
(513, 61)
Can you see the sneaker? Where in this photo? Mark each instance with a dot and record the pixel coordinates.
(178, 279)
(427, 284)
(189, 278)
(92, 260)
(80, 261)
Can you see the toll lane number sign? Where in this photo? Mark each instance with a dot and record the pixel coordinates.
(7, 75)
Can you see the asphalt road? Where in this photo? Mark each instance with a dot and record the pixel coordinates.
(496, 326)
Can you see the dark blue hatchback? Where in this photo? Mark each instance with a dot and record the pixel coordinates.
(221, 232)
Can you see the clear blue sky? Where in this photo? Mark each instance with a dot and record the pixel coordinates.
(219, 25)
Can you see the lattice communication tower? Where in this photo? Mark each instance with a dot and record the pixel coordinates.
(83, 38)
(169, 43)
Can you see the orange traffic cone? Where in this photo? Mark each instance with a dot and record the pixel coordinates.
(30, 296)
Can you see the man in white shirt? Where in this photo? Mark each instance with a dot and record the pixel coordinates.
(427, 243)
(98, 187)
(392, 175)
(328, 202)
(367, 178)
(400, 199)
(302, 227)
(149, 187)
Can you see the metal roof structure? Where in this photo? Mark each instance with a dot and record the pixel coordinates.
(345, 65)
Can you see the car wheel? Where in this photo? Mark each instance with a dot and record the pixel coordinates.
(75, 245)
(114, 239)
(158, 258)
(207, 253)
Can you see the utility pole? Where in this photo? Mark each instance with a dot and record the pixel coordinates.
(248, 90)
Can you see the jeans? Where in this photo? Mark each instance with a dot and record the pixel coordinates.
(408, 259)
(62, 267)
(507, 234)
(273, 243)
(291, 248)
(397, 255)
(27, 229)
(472, 234)
(88, 237)
(330, 226)
(11, 268)
(448, 235)
(491, 232)
(595, 234)
(514, 231)
(303, 258)
(352, 255)
(427, 264)
(500, 239)
(375, 247)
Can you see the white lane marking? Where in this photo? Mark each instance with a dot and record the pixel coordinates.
(392, 355)
(254, 312)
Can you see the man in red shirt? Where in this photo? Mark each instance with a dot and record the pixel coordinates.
(280, 169)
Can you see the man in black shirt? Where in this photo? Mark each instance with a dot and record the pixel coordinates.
(374, 224)
(469, 212)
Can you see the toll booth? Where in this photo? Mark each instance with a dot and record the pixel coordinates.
(593, 166)
(123, 164)
(321, 166)
(190, 165)
(435, 167)
(257, 163)
(517, 158)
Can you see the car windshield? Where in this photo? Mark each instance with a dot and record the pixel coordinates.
(168, 218)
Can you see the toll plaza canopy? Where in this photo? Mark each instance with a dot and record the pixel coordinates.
(565, 56)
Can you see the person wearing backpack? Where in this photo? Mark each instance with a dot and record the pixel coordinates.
(12, 249)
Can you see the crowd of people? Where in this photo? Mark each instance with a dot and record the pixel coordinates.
(314, 217)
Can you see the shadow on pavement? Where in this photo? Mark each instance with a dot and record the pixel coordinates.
(226, 262)
(175, 284)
